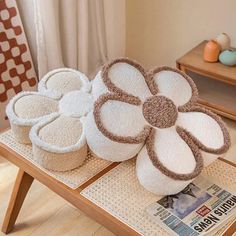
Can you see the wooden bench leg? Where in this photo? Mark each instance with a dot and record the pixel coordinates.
(20, 190)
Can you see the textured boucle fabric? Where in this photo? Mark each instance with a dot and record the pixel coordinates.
(63, 131)
(26, 106)
(59, 82)
(53, 118)
(172, 83)
(153, 179)
(72, 80)
(76, 104)
(187, 169)
(160, 111)
(60, 161)
(106, 148)
(113, 75)
(197, 131)
(23, 115)
(172, 142)
(123, 116)
(21, 133)
(98, 86)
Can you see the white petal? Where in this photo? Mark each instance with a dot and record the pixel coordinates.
(27, 108)
(203, 127)
(34, 106)
(76, 104)
(59, 142)
(174, 86)
(173, 152)
(105, 148)
(129, 79)
(208, 158)
(154, 180)
(63, 80)
(121, 118)
(58, 133)
(98, 87)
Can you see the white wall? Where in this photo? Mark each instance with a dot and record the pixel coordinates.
(160, 31)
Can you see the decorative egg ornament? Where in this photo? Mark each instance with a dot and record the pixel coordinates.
(211, 51)
(223, 40)
(228, 57)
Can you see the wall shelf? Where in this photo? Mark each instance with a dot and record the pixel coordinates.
(216, 83)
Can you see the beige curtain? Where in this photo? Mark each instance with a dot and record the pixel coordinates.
(81, 34)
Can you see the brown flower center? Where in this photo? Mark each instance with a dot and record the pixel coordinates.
(160, 111)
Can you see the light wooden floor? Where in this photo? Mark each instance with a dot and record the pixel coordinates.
(45, 213)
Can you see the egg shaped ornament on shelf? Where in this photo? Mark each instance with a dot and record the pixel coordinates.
(228, 57)
(211, 51)
(223, 40)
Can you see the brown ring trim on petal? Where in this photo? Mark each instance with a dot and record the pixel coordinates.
(120, 139)
(194, 97)
(157, 163)
(113, 88)
(225, 132)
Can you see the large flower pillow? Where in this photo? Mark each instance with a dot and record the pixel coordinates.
(53, 118)
(153, 114)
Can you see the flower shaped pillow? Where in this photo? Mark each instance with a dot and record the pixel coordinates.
(53, 119)
(153, 114)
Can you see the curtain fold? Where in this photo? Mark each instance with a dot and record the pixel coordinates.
(73, 33)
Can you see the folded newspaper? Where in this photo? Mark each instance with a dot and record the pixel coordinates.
(199, 209)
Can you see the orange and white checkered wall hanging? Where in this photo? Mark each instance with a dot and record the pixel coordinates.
(17, 72)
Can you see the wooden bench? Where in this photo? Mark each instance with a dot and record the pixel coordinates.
(28, 172)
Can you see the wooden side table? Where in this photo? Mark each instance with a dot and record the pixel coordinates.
(216, 83)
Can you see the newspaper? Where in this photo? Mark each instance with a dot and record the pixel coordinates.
(199, 209)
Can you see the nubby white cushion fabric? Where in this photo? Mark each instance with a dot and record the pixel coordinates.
(129, 112)
(53, 119)
(105, 148)
(154, 115)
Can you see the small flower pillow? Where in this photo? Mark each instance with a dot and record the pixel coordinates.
(155, 115)
(53, 119)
